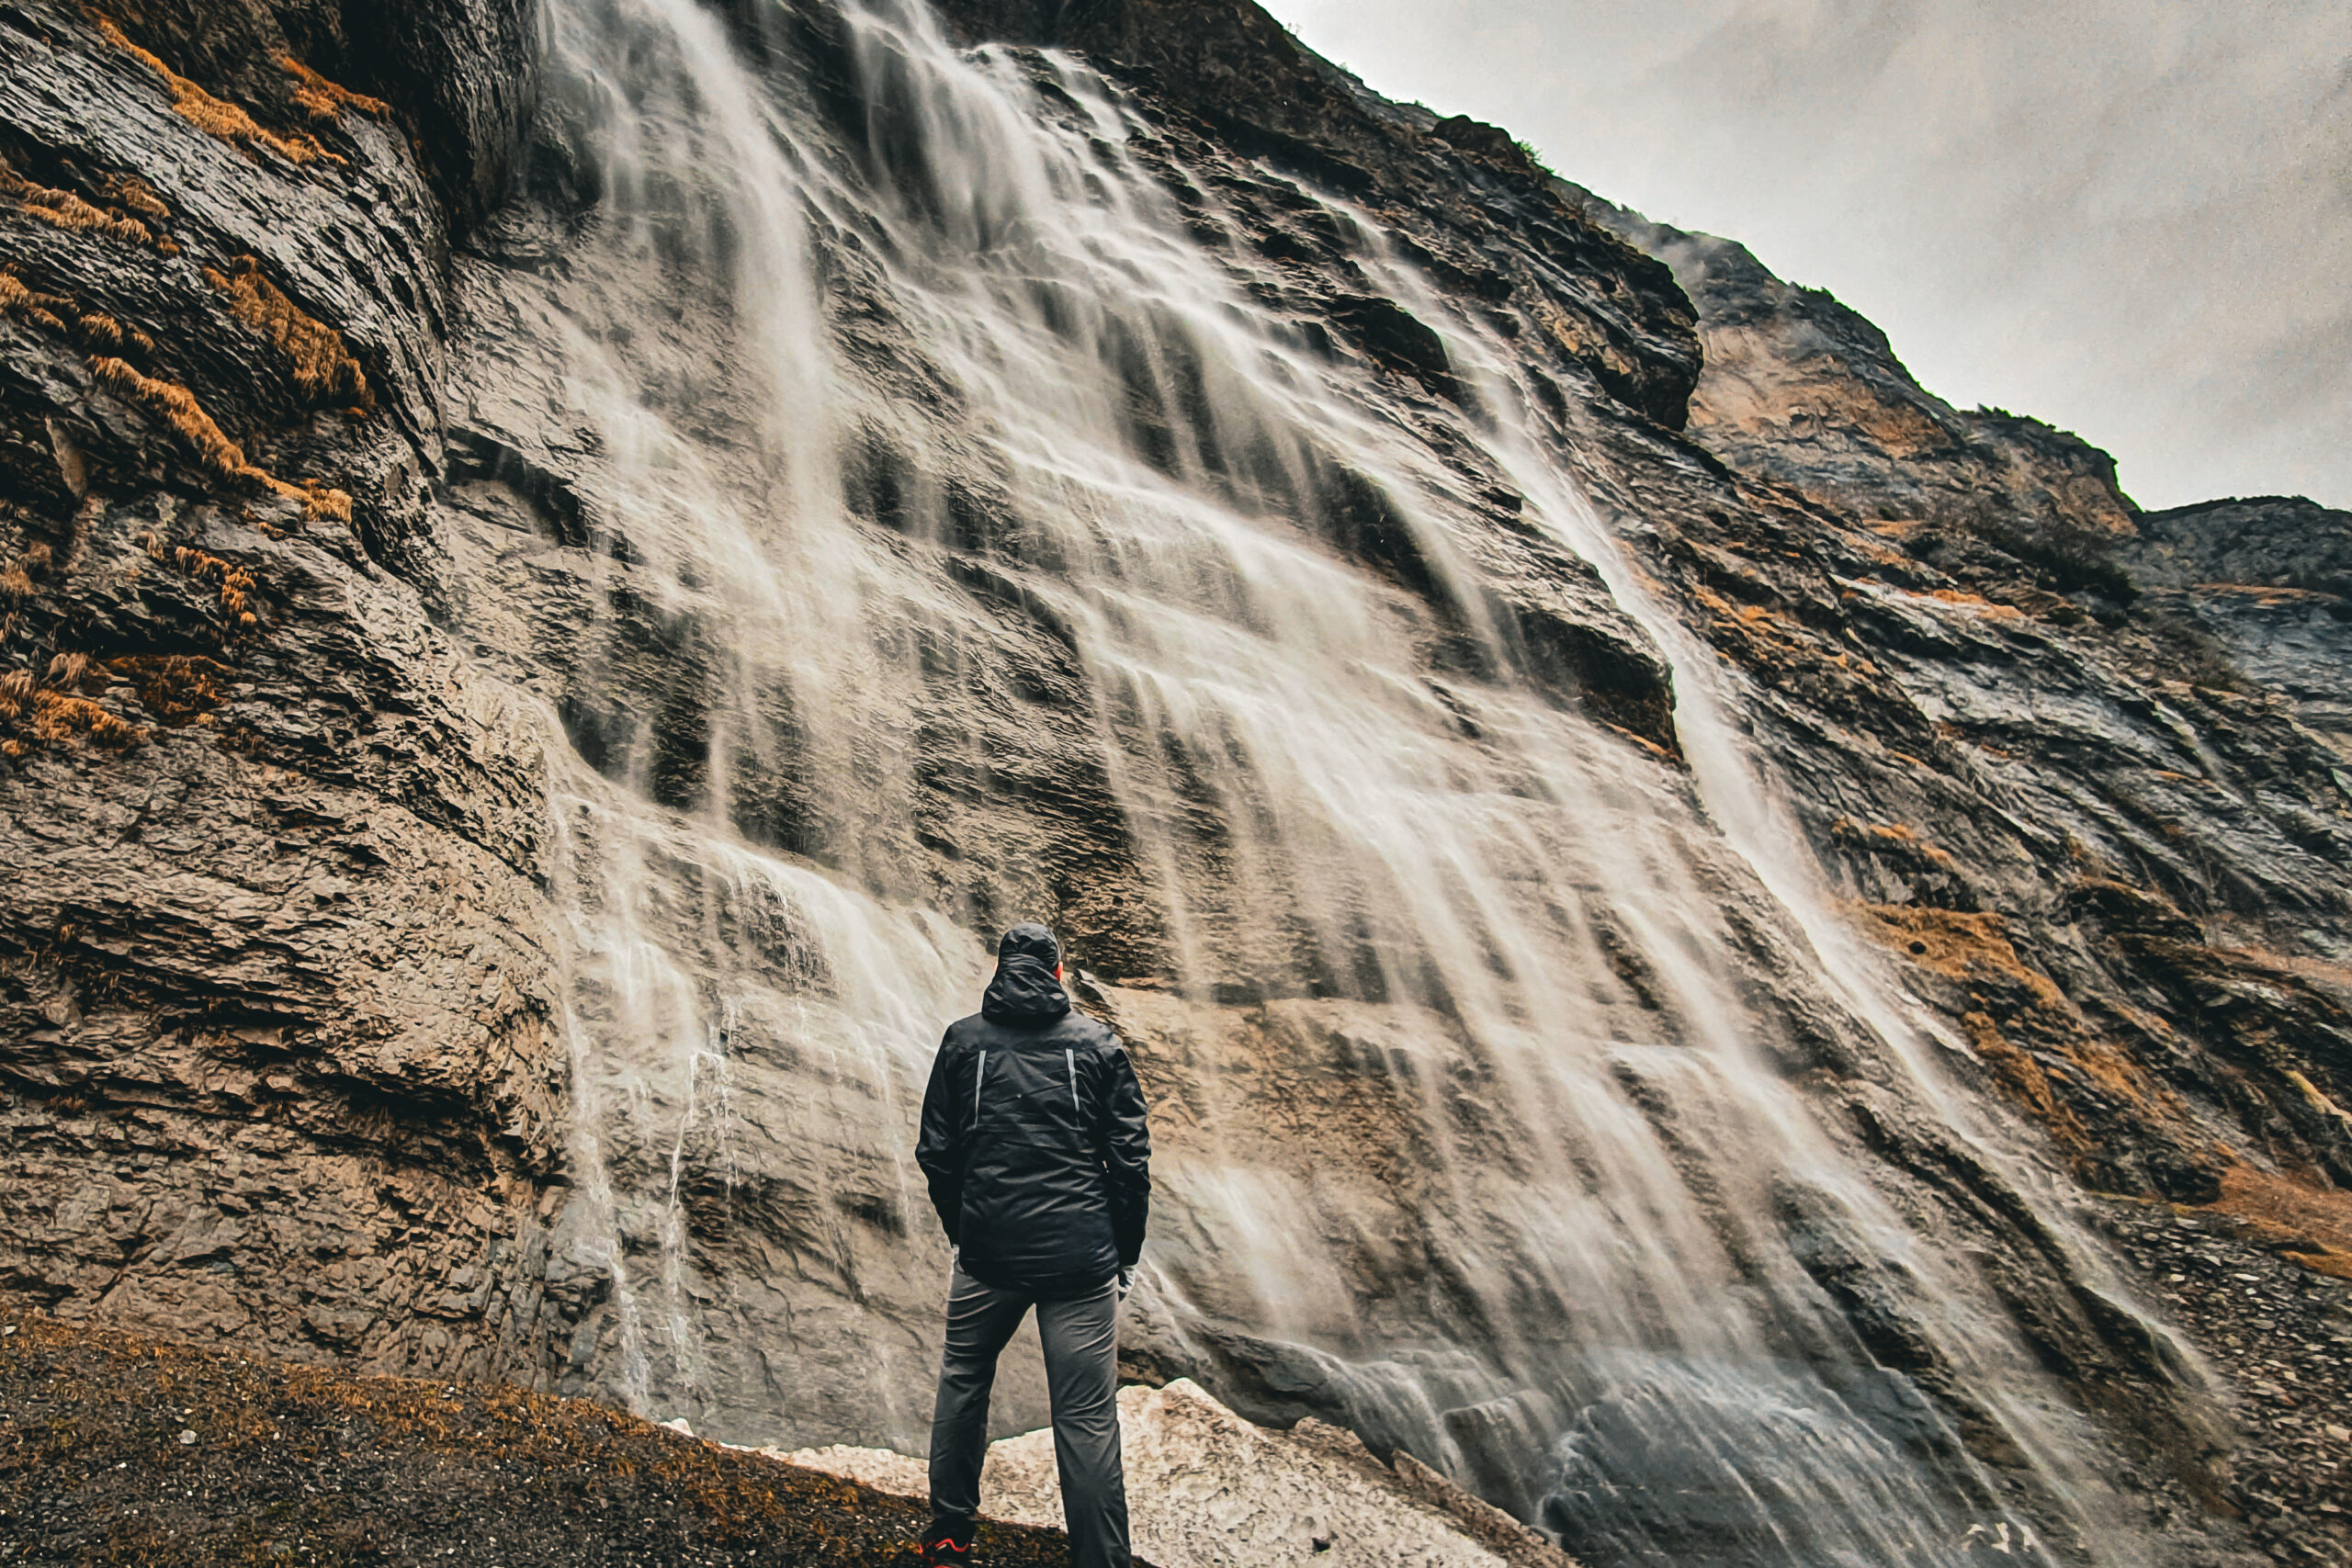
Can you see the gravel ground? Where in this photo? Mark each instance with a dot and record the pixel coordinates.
(118, 1450)
(2280, 1335)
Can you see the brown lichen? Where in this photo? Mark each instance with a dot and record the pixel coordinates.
(323, 365)
(325, 101)
(216, 117)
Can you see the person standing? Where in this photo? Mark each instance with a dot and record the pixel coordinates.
(1035, 1147)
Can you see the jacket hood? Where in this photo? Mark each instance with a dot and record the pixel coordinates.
(1024, 991)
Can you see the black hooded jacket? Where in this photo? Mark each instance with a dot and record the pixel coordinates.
(1033, 1140)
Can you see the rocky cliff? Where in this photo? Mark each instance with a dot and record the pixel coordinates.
(519, 697)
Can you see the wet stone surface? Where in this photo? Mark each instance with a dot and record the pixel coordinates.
(2281, 1336)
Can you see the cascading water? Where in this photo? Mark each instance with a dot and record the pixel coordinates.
(964, 542)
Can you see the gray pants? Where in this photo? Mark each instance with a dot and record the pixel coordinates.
(1081, 1342)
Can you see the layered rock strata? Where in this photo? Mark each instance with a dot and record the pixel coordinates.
(274, 991)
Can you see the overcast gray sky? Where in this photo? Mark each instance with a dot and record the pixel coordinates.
(2130, 218)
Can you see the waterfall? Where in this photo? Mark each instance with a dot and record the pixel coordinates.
(966, 533)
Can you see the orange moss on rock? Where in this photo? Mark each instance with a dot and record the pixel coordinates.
(177, 689)
(1889, 835)
(1976, 601)
(2033, 1039)
(323, 365)
(1959, 946)
(32, 716)
(216, 117)
(2025, 1080)
(325, 101)
(63, 209)
(177, 407)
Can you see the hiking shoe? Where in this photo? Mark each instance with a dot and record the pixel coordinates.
(941, 1547)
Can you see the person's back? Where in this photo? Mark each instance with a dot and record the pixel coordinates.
(1035, 1145)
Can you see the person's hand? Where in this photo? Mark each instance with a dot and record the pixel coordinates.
(1126, 1282)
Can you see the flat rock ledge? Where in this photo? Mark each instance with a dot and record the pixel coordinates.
(1206, 1489)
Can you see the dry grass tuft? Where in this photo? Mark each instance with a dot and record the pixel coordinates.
(233, 580)
(136, 195)
(323, 366)
(176, 689)
(39, 717)
(320, 504)
(30, 305)
(177, 407)
(17, 579)
(325, 101)
(68, 669)
(217, 116)
(63, 209)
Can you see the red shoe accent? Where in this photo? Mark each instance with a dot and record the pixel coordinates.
(946, 1552)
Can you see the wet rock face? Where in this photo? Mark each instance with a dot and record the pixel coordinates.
(276, 1052)
(1486, 219)
(2269, 583)
(2043, 764)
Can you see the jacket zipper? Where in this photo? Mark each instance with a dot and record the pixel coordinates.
(1075, 1104)
(978, 1078)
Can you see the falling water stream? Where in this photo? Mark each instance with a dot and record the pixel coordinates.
(986, 290)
